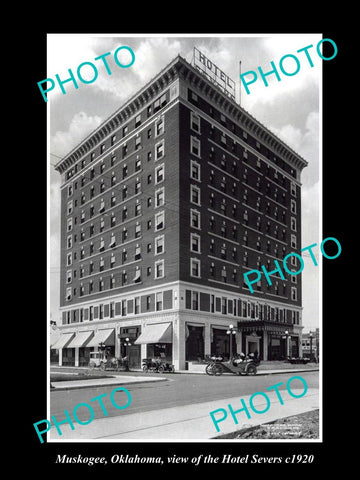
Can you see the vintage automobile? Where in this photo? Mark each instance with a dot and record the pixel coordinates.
(236, 365)
(102, 360)
(156, 365)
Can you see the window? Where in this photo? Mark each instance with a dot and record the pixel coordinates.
(70, 207)
(195, 300)
(69, 241)
(112, 261)
(293, 224)
(195, 267)
(159, 150)
(137, 305)
(195, 242)
(69, 276)
(137, 187)
(195, 146)
(112, 241)
(195, 122)
(138, 231)
(159, 103)
(293, 293)
(102, 206)
(159, 269)
(293, 189)
(137, 253)
(194, 219)
(101, 265)
(293, 206)
(137, 165)
(68, 293)
(293, 241)
(159, 245)
(159, 127)
(195, 194)
(137, 209)
(194, 96)
(159, 221)
(69, 259)
(194, 170)
(159, 173)
(159, 301)
(69, 224)
(159, 197)
(137, 121)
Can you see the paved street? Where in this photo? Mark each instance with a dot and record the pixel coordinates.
(178, 391)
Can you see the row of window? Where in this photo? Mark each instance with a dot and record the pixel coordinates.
(139, 304)
(114, 281)
(200, 301)
(119, 239)
(112, 261)
(123, 132)
(239, 132)
(110, 178)
(228, 274)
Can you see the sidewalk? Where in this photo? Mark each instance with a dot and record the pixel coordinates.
(189, 422)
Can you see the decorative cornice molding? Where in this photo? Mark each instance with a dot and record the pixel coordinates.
(179, 67)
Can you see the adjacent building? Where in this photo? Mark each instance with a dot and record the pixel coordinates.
(163, 208)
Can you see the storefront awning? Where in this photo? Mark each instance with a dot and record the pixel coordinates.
(81, 339)
(105, 336)
(62, 341)
(156, 333)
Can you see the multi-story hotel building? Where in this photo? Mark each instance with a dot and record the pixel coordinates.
(164, 207)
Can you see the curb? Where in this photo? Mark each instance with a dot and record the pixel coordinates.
(68, 386)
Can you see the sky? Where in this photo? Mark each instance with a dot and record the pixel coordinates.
(290, 108)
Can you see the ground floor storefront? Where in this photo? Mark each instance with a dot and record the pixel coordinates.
(176, 338)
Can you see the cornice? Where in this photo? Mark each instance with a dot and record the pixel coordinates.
(179, 67)
(110, 125)
(243, 118)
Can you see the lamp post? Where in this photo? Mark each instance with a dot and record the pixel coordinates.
(127, 344)
(311, 338)
(287, 337)
(231, 331)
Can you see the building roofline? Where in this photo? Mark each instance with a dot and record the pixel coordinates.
(154, 87)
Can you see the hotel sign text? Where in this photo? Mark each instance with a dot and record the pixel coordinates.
(213, 73)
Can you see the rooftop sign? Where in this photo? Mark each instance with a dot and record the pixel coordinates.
(213, 73)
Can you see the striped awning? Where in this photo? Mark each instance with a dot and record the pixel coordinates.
(105, 336)
(62, 341)
(81, 339)
(156, 333)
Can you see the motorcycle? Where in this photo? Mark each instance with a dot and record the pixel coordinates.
(238, 365)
